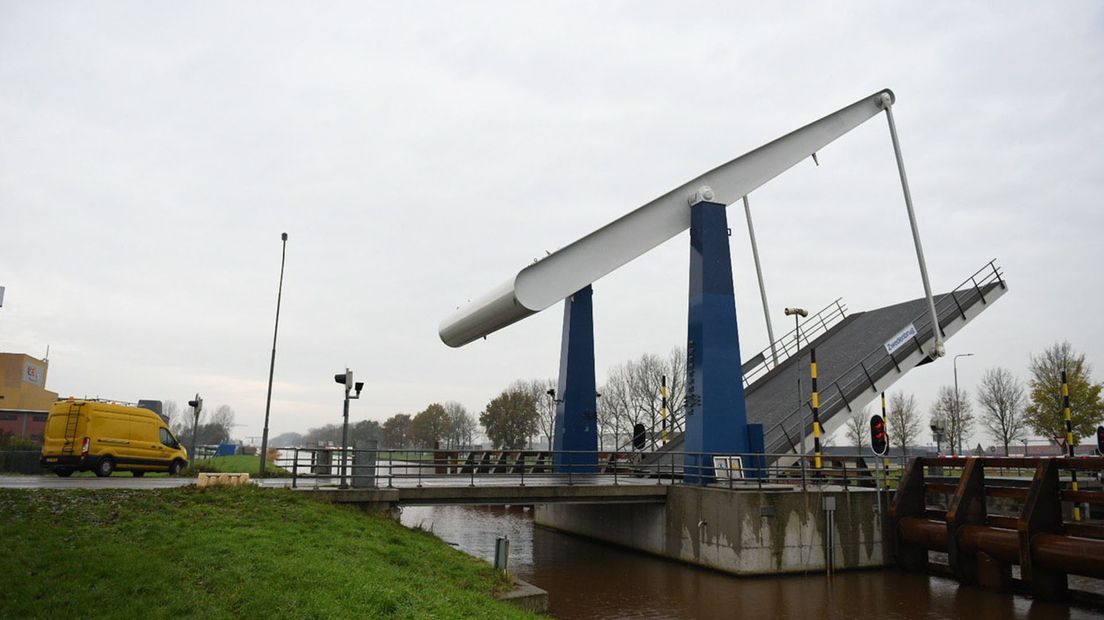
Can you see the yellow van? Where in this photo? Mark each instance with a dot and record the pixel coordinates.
(90, 435)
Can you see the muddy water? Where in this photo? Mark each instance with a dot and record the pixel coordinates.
(588, 579)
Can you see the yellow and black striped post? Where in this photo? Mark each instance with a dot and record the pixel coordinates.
(885, 420)
(663, 412)
(1069, 441)
(816, 409)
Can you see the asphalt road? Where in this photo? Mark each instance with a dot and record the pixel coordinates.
(113, 482)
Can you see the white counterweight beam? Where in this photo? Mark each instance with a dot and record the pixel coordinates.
(560, 274)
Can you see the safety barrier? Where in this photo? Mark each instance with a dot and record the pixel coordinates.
(412, 467)
(982, 541)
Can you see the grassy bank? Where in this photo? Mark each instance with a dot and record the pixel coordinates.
(236, 464)
(226, 552)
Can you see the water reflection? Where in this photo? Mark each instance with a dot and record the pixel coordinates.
(588, 579)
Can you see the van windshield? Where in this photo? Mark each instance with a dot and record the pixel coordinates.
(168, 439)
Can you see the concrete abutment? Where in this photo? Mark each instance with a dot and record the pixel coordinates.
(743, 532)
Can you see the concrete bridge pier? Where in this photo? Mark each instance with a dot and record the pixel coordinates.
(741, 532)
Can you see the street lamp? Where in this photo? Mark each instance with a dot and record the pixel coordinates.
(798, 314)
(272, 363)
(957, 412)
(346, 379)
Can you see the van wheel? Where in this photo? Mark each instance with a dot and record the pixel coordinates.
(64, 473)
(105, 467)
(175, 468)
(138, 474)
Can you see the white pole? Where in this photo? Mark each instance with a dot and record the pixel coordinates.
(762, 288)
(937, 349)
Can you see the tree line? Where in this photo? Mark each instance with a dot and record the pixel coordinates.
(523, 414)
(1006, 407)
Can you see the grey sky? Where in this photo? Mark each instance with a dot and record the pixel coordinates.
(418, 154)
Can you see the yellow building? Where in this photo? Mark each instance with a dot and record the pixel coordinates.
(24, 399)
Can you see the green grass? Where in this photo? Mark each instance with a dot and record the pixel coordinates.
(226, 552)
(235, 464)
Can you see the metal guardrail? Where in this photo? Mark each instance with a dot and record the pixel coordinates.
(790, 343)
(391, 468)
(943, 504)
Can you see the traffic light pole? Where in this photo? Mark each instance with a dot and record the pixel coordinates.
(345, 441)
(197, 408)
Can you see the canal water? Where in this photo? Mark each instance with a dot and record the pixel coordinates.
(590, 579)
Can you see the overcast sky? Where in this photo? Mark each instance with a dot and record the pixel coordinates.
(151, 153)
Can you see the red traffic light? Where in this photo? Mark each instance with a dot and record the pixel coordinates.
(879, 440)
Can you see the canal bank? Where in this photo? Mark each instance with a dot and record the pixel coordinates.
(586, 578)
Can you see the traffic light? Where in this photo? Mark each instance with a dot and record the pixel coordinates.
(197, 404)
(879, 441)
(640, 436)
(1100, 439)
(345, 378)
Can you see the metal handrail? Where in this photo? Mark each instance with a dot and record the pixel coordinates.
(413, 467)
(810, 329)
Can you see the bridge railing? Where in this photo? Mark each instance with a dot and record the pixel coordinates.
(405, 467)
(864, 374)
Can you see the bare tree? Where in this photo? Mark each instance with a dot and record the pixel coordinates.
(644, 379)
(1001, 397)
(546, 404)
(618, 405)
(858, 429)
(462, 425)
(170, 410)
(957, 414)
(904, 420)
(224, 419)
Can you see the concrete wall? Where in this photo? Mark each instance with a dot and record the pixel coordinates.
(746, 532)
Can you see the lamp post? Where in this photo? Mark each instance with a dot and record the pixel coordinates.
(272, 363)
(798, 314)
(957, 404)
(346, 379)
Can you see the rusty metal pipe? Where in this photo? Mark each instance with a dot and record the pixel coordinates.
(999, 543)
(926, 532)
(1069, 554)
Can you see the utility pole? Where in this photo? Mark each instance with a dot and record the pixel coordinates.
(272, 363)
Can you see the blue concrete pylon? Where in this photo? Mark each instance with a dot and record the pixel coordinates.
(576, 425)
(716, 415)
